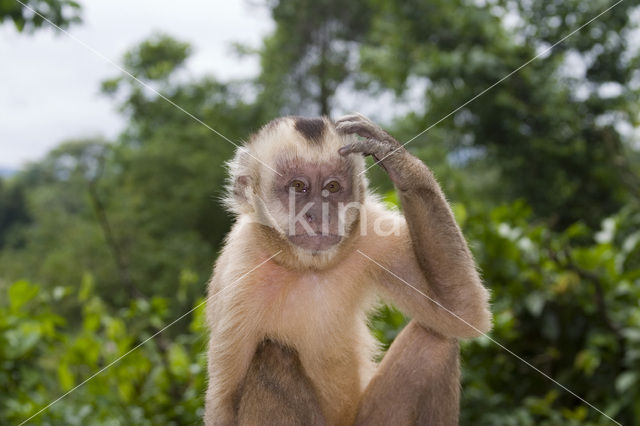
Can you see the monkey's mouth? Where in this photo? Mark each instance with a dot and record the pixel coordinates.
(315, 242)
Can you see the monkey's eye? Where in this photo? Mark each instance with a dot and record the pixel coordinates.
(332, 186)
(298, 185)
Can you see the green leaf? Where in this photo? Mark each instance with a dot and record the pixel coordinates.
(587, 360)
(460, 213)
(390, 198)
(65, 377)
(626, 381)
(20, 293)
(86, 287)
(20, 341)
(178, 360)
(535, 302)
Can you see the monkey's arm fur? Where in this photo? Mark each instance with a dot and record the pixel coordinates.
(431, 275)
(437, 263)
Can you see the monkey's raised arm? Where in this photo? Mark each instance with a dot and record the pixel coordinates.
(434, 257)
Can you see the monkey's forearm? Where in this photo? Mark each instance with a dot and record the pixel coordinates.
(439, 246)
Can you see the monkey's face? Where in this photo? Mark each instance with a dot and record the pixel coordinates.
(318, 201)
(306, 197)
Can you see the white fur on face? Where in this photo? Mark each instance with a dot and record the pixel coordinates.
(280, 142)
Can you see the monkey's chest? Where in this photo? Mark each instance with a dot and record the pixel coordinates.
(305, 307)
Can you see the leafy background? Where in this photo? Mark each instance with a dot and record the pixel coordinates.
(104, 242)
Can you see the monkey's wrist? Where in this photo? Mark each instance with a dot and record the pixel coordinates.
(410, 173)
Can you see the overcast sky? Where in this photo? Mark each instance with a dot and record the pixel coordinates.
(49, 83)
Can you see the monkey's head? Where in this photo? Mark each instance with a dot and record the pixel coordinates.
(290, 179)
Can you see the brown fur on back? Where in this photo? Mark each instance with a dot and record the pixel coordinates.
(276, 387)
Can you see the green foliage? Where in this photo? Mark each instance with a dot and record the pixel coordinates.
(139, 213)
(44, 356)
(309, 55)
(155, 59)
(562, 127)
(14, 210)
(60, 12)
(565, 302)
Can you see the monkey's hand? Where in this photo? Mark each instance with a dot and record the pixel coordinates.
(386, 151)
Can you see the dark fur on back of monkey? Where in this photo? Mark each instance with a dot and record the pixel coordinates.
(276, 387)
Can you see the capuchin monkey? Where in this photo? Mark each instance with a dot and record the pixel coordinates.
(310, 254)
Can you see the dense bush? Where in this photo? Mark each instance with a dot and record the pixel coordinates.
(44, 356)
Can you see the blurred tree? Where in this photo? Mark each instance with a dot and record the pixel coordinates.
(568, 307)
(59, 193)
(564, 127)
(310, 53)
(556, 136)
(13, 210)
(153, 60)
(61, 12)
(141, 214)
(167, 176)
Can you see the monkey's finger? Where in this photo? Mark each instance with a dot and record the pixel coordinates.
(353, 117)
(367, 147)
(358, 147)
(359, 128)
(364, 118)
(348, 117)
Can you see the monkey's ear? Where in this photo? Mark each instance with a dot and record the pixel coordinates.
(240, 183)
(240, 186)
(238, 199)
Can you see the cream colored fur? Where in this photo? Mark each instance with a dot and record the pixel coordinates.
(318, 308)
